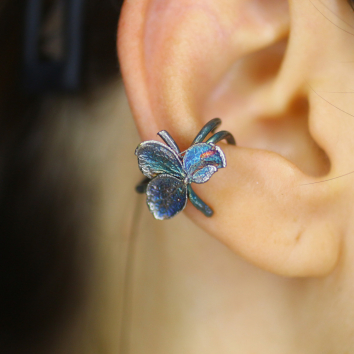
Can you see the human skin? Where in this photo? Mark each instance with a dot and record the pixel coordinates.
(280, 76)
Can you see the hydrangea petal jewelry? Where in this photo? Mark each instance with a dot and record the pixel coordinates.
(169, 172)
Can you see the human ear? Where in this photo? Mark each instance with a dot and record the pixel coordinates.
(184, 62)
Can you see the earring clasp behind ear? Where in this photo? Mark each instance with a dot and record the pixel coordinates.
(169, 172)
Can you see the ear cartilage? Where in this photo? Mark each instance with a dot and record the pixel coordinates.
(169, 172)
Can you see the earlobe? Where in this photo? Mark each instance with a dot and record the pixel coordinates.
(176, 57)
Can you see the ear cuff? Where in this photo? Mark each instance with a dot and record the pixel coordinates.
(169, 172)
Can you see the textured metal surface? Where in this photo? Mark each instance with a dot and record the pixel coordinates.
(203, 175)
(166, 196)
(201, 161)
(155, 158)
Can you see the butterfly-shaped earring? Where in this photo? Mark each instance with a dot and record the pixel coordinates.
(169, 172)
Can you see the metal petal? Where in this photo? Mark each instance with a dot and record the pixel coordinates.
(203, 175)
(155, 158)
(166, 196)
(197, 159)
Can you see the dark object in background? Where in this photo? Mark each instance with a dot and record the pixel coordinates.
(43, 211)
(59, 39)
(53, 45)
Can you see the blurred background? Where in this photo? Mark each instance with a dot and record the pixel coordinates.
(52, 51)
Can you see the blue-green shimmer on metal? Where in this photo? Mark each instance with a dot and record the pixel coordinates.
(201, 161)
(166, 196)
(155, 158)
(170, 173)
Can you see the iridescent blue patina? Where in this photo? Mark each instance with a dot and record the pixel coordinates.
(166, 196)
(201, 161)
(170, 172)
